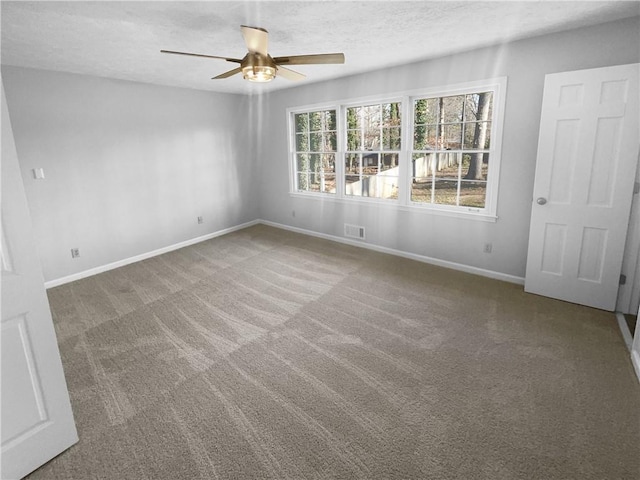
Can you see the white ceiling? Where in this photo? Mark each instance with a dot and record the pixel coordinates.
(123, 39)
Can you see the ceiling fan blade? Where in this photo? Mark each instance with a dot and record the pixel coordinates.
(257, 39)
(235, 60)
(310, 59)
(228, 74)
(290, 74)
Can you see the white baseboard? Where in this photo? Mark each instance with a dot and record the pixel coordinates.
(624, 329)
(420, 258)
(635, 359)
(144, 256)
(628, 340)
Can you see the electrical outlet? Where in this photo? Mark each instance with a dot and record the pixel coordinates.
(200, 220)
(75, 252)
(293, 213)
(38, 173)
(487, 248)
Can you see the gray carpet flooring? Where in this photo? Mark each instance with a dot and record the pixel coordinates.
(265, 354)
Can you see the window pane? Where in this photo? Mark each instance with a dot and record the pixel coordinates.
(451, 137)
(473, 186)
(426, 111)
(302, 142)
(421, 190)
(302, 162)
(303, 181)
(352, 164)
(330, 142)
(317, 172)
(391, 114)
(473, 193)
(384, 186)
(446, 178)
(371, 125)
(322, 176)
(314, 171)
(389, 161)
(475, 166)
(422, 165)
(451, 109)
(371, 116)
(315, 121)
(353, 118)
(391, 138)
(371, 140)
(331, 120)
(386, 113)
(314, 184)
(473, 104)
(372, 175)
(352, 185)
(315, 142)
(352, 174)
(328, 183)
(302, 122)
(424, 137)
(328, 163)
(477, 135)
(315, 162)
(353, 140)
(370, 163)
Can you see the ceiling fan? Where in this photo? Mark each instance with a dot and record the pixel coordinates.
(258, 66)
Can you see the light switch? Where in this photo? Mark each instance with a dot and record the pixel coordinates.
(38, 173)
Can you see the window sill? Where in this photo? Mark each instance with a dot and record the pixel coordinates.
(394, 205)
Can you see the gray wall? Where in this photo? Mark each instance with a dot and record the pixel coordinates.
(128, 166)
(459, 240)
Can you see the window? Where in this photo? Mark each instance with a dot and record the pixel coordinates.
(315, 147)
(451, 145)
(436, 150)
(373, 150)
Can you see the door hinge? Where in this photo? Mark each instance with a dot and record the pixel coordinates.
(636, 188)
(623, 279)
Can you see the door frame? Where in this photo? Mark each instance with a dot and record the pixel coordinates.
(629, 293)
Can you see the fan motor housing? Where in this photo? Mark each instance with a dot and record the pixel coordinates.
(253, 59)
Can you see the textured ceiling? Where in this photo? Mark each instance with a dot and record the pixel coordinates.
(123, 39)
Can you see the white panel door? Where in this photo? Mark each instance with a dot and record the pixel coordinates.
(37, 423)
(586, 164)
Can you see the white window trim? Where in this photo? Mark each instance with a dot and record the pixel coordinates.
(497, 85)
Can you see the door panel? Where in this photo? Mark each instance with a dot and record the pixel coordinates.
(23, 381)
(587, 157)
(37, 423)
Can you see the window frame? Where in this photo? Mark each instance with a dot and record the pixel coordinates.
(407, 99)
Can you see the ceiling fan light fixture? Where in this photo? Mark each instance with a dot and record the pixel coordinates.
(259, 73)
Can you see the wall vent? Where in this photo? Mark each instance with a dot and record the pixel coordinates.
(354, 231)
